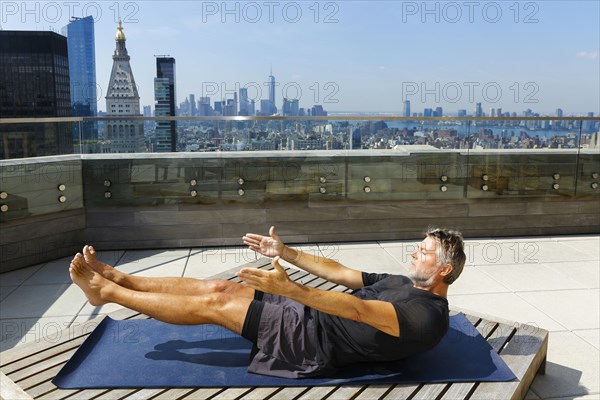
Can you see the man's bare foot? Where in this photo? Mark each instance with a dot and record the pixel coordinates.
(90, 281)
(108, 272)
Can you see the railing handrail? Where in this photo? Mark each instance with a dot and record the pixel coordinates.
(287, 118)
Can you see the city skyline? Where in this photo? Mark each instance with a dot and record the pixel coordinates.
(353, 56)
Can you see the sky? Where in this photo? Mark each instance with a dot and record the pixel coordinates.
(351, 56)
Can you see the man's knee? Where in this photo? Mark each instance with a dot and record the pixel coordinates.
(235, 288)
(216, 300)
(222, 286)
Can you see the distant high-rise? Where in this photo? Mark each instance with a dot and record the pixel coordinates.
(428, 112)
(34, 83)
(559, 114)
(478, 110)
(123, 100)
(406, 112)
(290, 107)
(318, 111)
(82, 69)
(219, 107)
(272, 106)
(193, 110)
(230, 107)
(164, 95)
(265, 107)
(439, 112)
(588, 125)
(462, 113)
(204, 109)
(244, 103)
(356, 141)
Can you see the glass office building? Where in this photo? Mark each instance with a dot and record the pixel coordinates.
(34, 83)
(164, 94)
(82, 67)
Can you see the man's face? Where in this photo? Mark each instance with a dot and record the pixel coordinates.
(424, 264)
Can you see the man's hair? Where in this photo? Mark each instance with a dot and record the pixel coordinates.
(452, 251)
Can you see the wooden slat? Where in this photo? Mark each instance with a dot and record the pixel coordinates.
(87, 394)
(232, 393)
(290, 392)
(346, 392)
(431, 391)
(114, 394)
(59, 394)
(12, 391)
(40, 384)
(202, 393)
(145, 394)
(402, 392)
(172, 394)
(260, 393)
(35, 369)
(317, 392)
(373, 392)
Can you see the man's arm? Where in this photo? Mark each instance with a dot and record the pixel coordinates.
(333, 271)
(378, 314)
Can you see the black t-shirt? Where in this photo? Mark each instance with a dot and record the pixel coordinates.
(422, 316)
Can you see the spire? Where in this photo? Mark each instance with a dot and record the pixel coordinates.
(120, 36)
(121, 50)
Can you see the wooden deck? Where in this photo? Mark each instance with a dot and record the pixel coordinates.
(27, 370)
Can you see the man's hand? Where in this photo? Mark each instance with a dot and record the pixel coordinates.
(275, 281)
(269, 246)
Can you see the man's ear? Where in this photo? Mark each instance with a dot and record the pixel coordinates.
(446, 270)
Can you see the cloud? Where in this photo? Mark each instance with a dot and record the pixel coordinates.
(592, 55)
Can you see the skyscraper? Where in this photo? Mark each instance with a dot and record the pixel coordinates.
(478, 110)
(204, 109)
(122, 100)
(588, 125)
(559, 114)
(244, 103)
(406, 112)
(273, 107)
(34, 82)
(291, 107)
(82, 70)
(193, 110)
(164, 94)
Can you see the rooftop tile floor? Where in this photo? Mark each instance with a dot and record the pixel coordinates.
(551, 282)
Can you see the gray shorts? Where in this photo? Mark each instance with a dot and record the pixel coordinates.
(286, 344)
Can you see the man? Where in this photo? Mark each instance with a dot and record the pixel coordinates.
(299, 331)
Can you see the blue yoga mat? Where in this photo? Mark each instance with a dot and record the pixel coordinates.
(148, 353)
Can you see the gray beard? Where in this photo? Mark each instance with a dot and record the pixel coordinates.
(421, 280)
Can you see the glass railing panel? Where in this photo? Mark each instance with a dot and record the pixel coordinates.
(148, 181)
(37, 138)
(588, 172)
(272, 177)
(408, 176)
(522, 173)
(40, 186)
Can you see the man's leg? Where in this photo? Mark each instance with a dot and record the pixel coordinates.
(180, 286)
(227, 310)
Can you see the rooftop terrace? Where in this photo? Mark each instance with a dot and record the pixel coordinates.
(531, 217)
